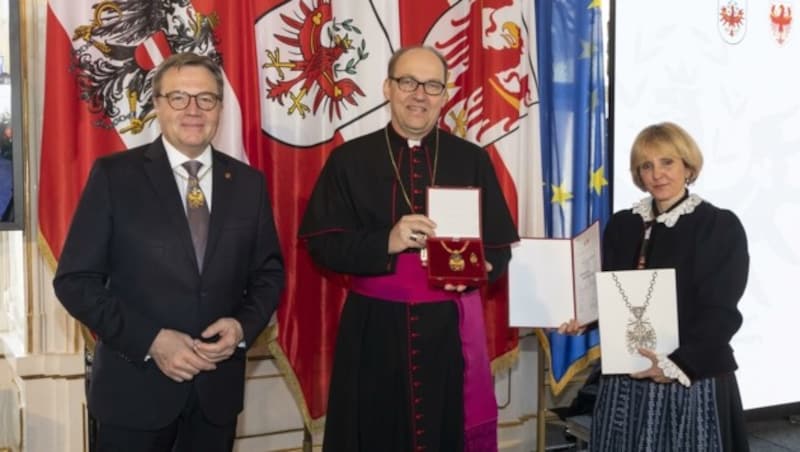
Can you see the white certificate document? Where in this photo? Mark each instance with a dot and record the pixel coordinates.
(456, 211)
(638, 308)
(552, 280)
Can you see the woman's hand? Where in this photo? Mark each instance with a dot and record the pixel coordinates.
(654, 373)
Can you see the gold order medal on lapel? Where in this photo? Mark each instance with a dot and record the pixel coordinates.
(456, 261)
(195, 197)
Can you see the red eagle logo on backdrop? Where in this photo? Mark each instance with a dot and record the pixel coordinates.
(317, 38)
(119, 46)
(780, 17)
(732, 20)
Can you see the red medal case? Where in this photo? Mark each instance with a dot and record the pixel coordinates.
(455, 260)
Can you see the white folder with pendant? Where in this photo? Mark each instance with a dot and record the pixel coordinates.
(637, 308)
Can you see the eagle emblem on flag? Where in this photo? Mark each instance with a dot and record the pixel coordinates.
(115, 51)
(325, 56)
(490, 77)
(314, 81)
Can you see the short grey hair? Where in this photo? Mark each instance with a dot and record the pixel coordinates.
(180, 60)
(400, 52)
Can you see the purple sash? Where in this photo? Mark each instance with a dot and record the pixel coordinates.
(409, 284)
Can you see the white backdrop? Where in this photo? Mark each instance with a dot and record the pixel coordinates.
(741, 102)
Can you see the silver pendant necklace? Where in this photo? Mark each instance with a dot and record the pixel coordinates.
(640, 332)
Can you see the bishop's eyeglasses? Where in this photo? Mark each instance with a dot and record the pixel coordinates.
(179, 100)
(410, 84)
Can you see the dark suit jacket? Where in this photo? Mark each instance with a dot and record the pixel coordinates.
(128, 270)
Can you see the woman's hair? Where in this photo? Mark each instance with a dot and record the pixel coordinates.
(669, 139)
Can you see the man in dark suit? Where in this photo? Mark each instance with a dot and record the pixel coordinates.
(175, 294)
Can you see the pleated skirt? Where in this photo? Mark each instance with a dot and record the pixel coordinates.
(644, 416)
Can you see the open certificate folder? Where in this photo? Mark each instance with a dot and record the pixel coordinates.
(552, 280)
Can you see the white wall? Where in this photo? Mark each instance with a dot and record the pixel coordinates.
(741, 102)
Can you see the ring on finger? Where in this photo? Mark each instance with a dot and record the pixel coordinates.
(413, 237)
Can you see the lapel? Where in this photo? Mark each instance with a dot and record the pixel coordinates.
(221, 199)
(156, 166)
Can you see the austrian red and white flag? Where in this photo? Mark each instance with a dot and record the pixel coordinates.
(98, 93)
(302, 76)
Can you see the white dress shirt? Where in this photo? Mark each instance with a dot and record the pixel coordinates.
(176, 161)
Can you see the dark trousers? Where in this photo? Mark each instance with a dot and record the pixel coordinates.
(190, 432)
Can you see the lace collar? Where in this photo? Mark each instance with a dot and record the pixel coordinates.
(645, 209)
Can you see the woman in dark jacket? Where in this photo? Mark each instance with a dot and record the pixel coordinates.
(688, 400)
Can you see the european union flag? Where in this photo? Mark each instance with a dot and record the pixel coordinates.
(574, 146)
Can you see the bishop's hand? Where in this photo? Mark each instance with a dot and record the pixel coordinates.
(410, 232)
(461, 287)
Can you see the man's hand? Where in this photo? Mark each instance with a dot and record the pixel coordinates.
(410, 232)
(173, 353)
(229, 334)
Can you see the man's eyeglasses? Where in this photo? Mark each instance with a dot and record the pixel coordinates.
(410, 84)
(179, 100)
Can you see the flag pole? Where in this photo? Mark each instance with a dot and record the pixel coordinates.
(541, 404)
(308, 439)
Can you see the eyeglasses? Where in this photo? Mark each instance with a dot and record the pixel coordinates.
(179, 100)
(410, 84)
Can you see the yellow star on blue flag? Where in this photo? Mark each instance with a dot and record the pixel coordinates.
(561, 194)
(587, 49)
(597, 181)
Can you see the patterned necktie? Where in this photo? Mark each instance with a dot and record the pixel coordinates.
(196, 211)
